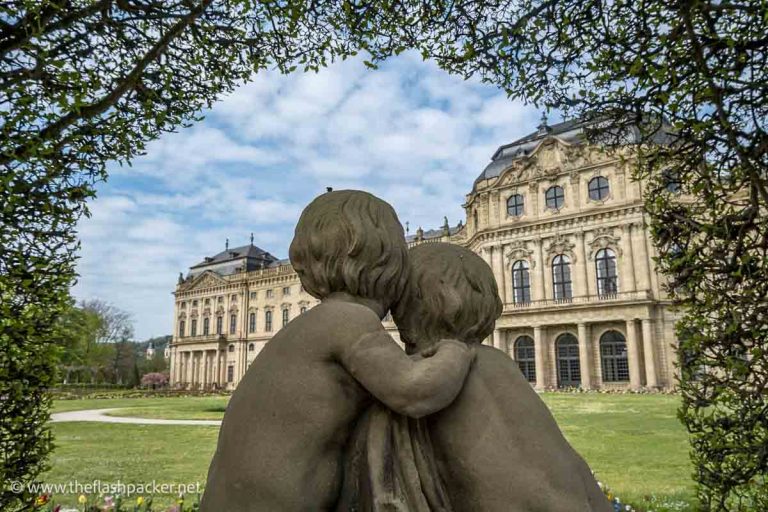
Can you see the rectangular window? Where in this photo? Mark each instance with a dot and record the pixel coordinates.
(269, 294)
(219, 324)
(285, 317)
(254, 295)
(181, 329)
(232, 324)
(286, 290)
(206, 326)
(268, 321)
(194, 327)
(252, 322)
(230, 373)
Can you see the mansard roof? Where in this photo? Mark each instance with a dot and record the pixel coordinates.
(237, 259)
(571, 132)
(568, 131)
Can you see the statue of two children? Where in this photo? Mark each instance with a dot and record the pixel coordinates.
(333, 415)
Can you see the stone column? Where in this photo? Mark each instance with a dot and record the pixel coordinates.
(533, 197)
(497, 340)
(590, 286)
(498, 259)
(540, 354)
(642, 261)
(651, 376)
(585, 356)
(581, 265)
(506, 268)
(538, 282)
(633, 355)
(627, 280)
(190, 363)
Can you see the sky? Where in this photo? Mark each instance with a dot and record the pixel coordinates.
(407, 132)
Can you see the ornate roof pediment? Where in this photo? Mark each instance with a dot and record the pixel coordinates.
(207, 279)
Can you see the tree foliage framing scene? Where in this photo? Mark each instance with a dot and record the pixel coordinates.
(85, 83)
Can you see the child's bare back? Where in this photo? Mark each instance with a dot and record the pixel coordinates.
(281, 442)
(498, 423)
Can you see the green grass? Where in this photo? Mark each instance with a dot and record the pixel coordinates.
(131, 454)
(633, 442)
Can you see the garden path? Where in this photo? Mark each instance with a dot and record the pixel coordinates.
(100, 415)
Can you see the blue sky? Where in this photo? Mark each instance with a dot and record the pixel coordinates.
(407, 132)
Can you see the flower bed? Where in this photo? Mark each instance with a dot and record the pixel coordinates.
(46, 503)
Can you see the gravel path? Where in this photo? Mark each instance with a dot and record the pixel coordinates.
(100, 415)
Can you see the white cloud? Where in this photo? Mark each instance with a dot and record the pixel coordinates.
(409, 132)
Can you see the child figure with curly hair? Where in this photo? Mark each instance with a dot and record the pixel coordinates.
(281, 443)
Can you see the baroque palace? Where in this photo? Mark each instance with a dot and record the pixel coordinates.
(562, 225)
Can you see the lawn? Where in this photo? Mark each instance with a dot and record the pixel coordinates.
(633, 442)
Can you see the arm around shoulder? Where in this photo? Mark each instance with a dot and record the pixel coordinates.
(414, 388)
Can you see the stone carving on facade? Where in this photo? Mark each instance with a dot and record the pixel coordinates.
(518, 250)
(561, 245)
(604, 239)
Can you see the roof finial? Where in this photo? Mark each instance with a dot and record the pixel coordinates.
(226, 245)
(407, 227)
(543, 127)
(329, 189)
(251, 238)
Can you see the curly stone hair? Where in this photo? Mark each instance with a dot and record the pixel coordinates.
(451, 293)
(350, 241)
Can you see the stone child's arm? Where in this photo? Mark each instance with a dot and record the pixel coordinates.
(412, 388)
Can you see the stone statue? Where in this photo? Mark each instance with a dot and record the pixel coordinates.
(284, 435)
(496, 448)
(333, 415)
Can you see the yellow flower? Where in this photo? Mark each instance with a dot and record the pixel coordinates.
(41, 500)
(82, 499)
(140, 500)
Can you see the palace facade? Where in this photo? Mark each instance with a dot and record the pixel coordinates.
(562, 225)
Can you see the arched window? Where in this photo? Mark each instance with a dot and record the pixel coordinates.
(219, 324)
(285, 317)
(568, 365)
(182, 325)
(252, 322)
(605, 266)
(251, 347)
(598, 188)
(613, 355)
(525, 355)
(230, 373)
(303, 309)
(231, 348)
(515, 205)
(521, 282)
(232, 323)
(555, 197)
(268, 320)
(193, 327)
(561, 277)
(206, 326)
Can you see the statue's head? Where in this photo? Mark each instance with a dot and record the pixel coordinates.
(451, 293)
(350, 241)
